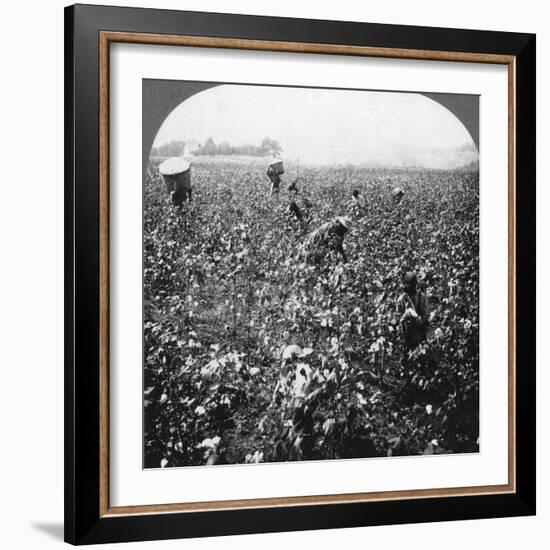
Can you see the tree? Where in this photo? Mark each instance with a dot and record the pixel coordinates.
(270, 147)
(209, 148)
(170, 149)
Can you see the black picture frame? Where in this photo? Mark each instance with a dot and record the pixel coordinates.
(84, 523)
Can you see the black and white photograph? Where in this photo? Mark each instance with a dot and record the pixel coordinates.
(299, 276)
(310, 274)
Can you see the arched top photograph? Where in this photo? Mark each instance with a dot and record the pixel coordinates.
(311, 274)
(317, 126)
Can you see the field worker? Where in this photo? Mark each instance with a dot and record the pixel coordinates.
(294, 209)
(412, 306)
(274, 174)
(397, 195)
(293, 187)
(329, 236)
(356, 203)
(176, 173)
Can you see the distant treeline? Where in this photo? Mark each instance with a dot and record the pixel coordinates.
(211, 148)
(172, 149)
(268, 147)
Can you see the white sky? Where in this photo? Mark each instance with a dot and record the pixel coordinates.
(319, 126)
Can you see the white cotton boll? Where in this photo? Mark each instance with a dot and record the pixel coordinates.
(291, 350)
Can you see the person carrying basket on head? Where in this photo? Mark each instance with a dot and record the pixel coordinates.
(274, 173)
(412, 308)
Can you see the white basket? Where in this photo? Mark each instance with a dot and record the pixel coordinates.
(277, 167)
(173, 166)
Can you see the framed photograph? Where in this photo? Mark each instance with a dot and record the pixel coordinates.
(300, 274)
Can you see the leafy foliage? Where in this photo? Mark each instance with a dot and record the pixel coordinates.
(267, 147)
(226, 293)
(174, 148)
